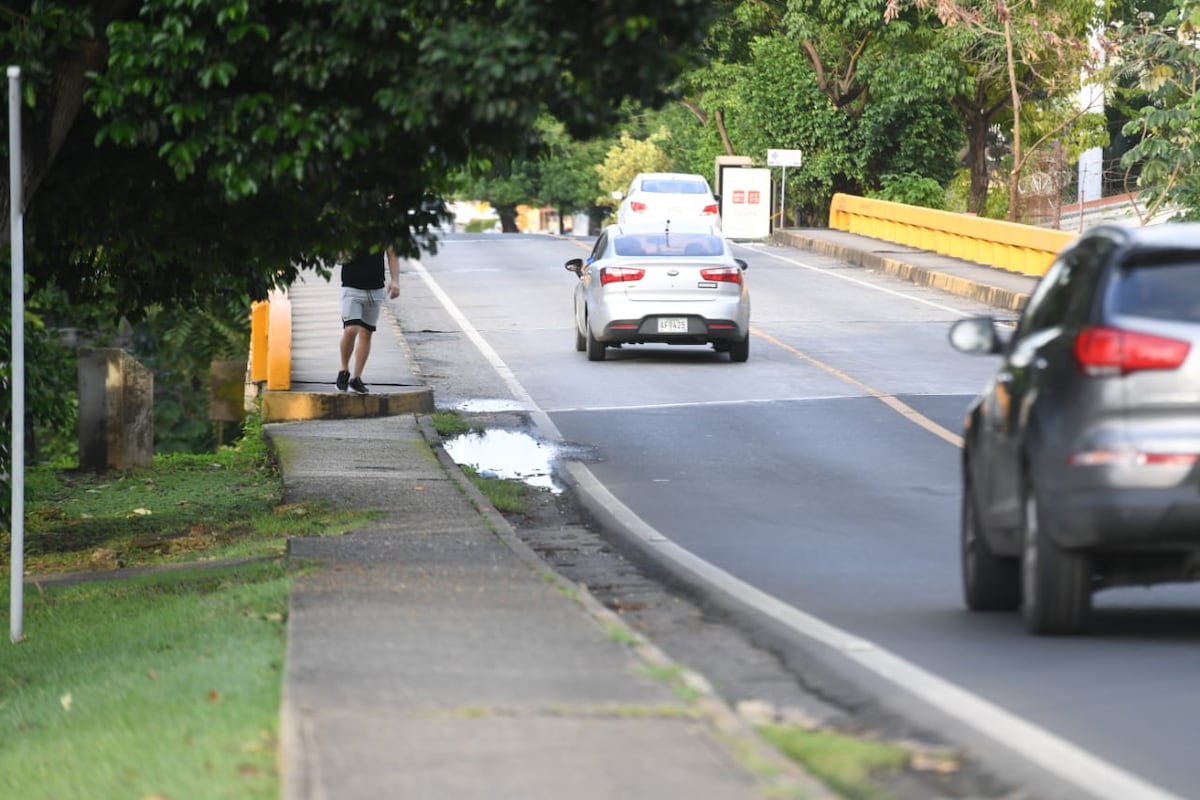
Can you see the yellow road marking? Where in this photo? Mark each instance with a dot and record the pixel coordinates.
(897, 405)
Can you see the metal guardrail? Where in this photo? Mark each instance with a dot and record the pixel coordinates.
(271, 341)
(1012, 246)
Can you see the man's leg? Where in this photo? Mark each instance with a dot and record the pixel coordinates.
(346, 346)
(362, 349)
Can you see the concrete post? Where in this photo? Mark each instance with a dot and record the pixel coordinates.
(116, 410)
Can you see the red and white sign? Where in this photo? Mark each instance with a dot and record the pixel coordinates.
(746, 210)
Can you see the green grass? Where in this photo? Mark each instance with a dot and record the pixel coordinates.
(165, 685)
(162, 686)
(451, 423)
(506, 495)
(182, 508)
(848, 765)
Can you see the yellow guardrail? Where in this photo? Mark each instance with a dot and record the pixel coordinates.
(1007, 245)
(271, 341)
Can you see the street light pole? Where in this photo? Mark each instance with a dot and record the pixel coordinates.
(17, 451)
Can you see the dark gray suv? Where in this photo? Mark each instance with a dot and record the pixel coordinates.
(1080, 456)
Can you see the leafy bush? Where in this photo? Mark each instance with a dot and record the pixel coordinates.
(911, 189)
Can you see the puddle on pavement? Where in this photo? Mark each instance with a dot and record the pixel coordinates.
(506, 454)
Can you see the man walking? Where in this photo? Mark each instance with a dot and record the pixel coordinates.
(362, 300)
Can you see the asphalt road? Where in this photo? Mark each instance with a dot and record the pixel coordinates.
(822, 474)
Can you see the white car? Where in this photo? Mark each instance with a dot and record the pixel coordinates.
(668, 196)
(672, 283)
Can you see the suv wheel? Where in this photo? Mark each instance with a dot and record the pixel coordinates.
(990, 582)
(1056, 593)
(580, 341)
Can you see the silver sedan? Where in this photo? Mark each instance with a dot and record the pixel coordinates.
(661, 282)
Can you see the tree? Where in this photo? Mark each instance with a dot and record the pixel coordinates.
(1160, 61)
(625, 160)
(181, 150)
(1011, 51)
(568, 177)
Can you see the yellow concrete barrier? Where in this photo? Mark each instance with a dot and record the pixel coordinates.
(271, 341)
(260, 317)
(1007, 245)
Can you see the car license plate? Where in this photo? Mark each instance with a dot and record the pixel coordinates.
(672, 325)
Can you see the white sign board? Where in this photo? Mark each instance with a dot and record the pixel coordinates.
(746, 203)
(784, 158)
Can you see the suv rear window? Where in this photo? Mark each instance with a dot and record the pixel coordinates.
(1169, 290)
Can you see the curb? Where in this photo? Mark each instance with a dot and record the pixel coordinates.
(287, 406)
(995, 296)
(775, 773)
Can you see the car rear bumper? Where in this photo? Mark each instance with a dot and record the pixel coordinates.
(700, 330)
(722, 318)
(1126, 519)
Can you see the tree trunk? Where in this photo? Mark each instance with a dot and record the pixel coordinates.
(977, 132)
(1014, 181)
(508, 218)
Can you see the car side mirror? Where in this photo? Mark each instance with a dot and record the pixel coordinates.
(741, 262)
(618, 195)
(575, 265)
(975, 335)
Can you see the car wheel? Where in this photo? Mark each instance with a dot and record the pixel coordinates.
(580, 341)
(1056, 594)
(990, 582)
(739, 351)
(595, 349)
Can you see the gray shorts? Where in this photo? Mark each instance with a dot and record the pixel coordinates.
(362, 306)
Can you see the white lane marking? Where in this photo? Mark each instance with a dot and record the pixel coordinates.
(1054, 754)
(702, 403)
(859, 282)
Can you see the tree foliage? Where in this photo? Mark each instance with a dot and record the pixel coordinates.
(626, 159)
(181, 149)
(1011, 51)
(1161, 61)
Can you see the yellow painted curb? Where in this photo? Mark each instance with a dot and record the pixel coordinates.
(296, 406)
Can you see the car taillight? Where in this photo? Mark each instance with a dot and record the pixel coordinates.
(634, 205)
(725, 274)
(617, 274)
(710, 210)
(1109, 351)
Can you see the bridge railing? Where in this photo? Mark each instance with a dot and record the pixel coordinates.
(1006, 245)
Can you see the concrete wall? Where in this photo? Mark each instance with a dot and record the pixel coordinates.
(116, 410)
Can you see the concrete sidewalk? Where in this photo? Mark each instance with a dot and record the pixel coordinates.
(435, 656)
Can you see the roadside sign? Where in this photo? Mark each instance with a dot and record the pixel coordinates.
(784, 158)
(746, 203)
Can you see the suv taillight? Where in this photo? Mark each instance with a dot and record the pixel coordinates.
(636, 206)
(1110, 351)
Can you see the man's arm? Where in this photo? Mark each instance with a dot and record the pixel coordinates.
(394, 272)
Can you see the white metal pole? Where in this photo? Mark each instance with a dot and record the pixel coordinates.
(17, 451)
(783, 199)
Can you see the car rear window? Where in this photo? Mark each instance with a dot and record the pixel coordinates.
(669, 244)
(674, 187)
(1168, 290)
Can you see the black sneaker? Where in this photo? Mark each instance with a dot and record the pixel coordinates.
(357, 385)
(343, 381)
